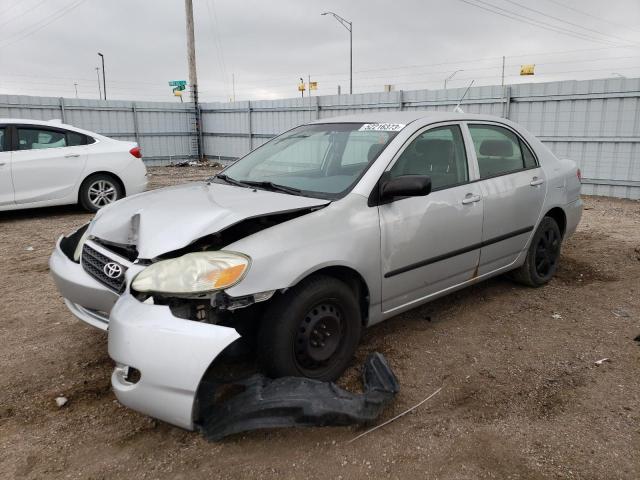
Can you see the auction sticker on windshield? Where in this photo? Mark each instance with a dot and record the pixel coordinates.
(382, 127)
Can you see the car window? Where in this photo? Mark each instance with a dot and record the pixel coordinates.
(74, 138)
(529, 158)
(498, 150)
(2, 138)
(39, 138)
(439, 153)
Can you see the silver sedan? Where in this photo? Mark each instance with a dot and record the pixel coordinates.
(293, 250)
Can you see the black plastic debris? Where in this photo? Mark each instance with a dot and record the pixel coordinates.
(260, 402)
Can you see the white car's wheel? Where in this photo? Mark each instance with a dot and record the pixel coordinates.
(98, 191)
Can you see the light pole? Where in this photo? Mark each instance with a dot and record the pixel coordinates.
(349, 26)
(450, 77)
(104, 79)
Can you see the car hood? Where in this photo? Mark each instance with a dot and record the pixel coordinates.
(167, 219)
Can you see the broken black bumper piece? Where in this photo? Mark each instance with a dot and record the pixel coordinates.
(296, 401)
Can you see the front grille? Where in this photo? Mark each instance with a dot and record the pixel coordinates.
(94, 263)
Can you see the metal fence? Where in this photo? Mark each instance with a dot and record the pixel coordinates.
(594, 122)
(165, 131)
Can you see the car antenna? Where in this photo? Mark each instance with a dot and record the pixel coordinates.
(457, 108)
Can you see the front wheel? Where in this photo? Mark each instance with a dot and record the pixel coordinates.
(543, 255)
(312, 330)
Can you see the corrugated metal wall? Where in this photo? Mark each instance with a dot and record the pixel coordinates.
(164, 131)
(594, 122)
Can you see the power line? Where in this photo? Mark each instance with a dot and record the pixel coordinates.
(529, 21)
(24, 12)
(567, 22)
(39, 26)
(582, 12)
(217, 42)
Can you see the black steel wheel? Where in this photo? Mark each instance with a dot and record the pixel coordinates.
(543, 255)
(311, 331)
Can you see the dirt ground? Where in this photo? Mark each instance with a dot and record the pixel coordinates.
(522, 396)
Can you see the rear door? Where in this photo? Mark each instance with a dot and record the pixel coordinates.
(6, 184)
(47, 163)
(431, 243)
(513, 190)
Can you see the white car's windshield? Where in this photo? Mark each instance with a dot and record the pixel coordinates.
(322, 160)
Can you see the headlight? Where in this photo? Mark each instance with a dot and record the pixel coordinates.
(78, 251)
(198, 272)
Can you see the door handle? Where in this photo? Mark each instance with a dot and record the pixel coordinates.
(536, 181)
(471, 198)
(72, 155)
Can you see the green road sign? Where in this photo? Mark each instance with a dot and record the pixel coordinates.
(178, 83)
(179, 88)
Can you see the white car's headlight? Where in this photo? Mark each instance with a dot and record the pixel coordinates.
(78, 251)
(198, 272)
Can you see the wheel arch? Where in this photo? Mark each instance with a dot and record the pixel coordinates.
(102, 172)
(560, 217)
(351, 277)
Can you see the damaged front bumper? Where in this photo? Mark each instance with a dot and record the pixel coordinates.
(171, 354)
(88, 299)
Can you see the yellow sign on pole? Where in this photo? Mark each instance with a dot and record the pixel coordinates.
(313, 85)
(302, 87)
(527, 69)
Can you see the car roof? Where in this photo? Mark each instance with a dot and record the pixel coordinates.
(55, 122)
(408, 117)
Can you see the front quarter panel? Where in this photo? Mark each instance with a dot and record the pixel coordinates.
(344, 233)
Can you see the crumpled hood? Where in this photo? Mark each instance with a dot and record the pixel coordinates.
(163, 220)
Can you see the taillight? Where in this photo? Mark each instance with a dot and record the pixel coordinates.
(135, 151)
(579, 175)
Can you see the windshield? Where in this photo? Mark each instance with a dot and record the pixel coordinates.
(322, 160)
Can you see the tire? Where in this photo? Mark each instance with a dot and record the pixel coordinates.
(312, 330)
(98, 191)
(543, 255)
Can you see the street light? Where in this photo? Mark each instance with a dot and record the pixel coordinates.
(104, 80)
(450, 77)
(349, 26)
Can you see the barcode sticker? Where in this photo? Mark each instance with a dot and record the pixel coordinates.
(382, 127)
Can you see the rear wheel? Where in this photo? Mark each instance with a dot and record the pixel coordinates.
(543, 255)
(312, 330)
(98, 191)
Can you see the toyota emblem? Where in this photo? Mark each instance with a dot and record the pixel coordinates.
(112, 270)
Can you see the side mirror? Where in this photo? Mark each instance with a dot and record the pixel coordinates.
(405, 186)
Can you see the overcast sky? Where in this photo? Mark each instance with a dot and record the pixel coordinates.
(47, 45)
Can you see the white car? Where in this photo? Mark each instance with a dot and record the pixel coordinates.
(44, 163)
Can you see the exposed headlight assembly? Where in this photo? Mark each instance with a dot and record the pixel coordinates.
(193, 273)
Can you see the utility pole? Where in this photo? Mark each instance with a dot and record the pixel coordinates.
(503, 70)
(99, 87)
(104, 80)
(191, 51)
(193, 77)
(75, 85)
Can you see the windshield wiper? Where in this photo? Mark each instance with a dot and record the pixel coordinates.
(274, 186)
(231, 181)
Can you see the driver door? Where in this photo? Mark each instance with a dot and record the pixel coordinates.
(431, 243)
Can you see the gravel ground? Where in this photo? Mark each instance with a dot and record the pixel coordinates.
(522, 395)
